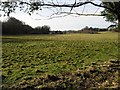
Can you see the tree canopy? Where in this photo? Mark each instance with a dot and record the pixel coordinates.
(58, 7)
(111, 16)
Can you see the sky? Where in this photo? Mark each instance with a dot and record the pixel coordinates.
(70, 22)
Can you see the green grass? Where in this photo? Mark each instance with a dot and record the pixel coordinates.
(28, 57)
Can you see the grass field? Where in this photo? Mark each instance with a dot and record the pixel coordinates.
(42, 61)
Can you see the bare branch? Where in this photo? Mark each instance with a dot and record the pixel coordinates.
(52, 4)
(81, 14)
(97, 10)
(58, 6)
(73, 6)
(83, 9)
(103, 6)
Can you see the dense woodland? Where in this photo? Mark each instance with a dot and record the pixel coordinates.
(15, 27)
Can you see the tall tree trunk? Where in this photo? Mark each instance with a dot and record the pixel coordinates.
(118, 37)
(118, 23)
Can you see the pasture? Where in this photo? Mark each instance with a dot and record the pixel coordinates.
(57, 61)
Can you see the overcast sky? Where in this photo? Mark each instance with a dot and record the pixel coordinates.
(65, 23)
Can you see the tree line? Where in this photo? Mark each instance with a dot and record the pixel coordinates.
(14, 26)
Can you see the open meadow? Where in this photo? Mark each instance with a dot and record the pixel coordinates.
(59, 61)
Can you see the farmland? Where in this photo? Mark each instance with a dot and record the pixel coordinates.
(58, 61)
